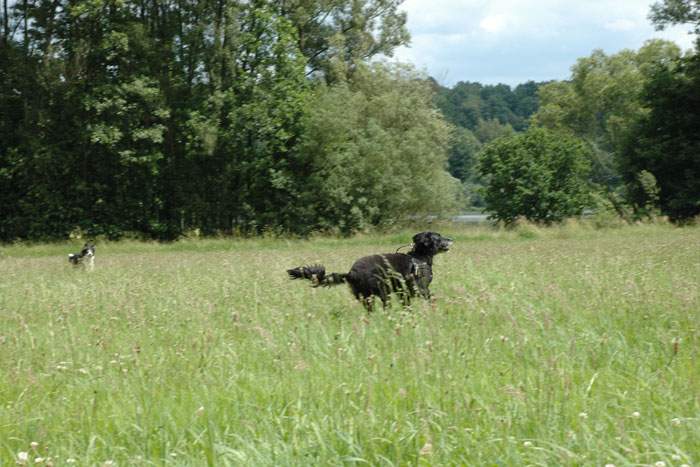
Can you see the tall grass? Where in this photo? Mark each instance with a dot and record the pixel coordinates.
(565, 346)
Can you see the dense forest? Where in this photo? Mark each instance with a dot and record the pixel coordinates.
(162, 117)
(230, 116)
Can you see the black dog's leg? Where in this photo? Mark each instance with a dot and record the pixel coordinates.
(425, 292)
(368, 303)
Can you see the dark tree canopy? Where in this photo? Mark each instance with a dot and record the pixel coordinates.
(666, 141)
(161, 117)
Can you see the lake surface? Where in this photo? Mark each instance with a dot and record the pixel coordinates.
(475, 218)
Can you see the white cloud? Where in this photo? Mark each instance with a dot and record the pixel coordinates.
(493, 23)
(516, 40)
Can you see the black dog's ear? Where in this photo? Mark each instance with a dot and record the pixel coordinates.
(422, 238)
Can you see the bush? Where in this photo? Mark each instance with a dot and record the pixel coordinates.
(539, 175)
(377, 152)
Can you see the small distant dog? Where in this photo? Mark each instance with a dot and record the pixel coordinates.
(381, 275)
(86, 257)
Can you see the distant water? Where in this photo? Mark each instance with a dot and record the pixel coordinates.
(471, 218)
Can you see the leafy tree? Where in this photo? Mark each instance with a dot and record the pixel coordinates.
(539, 175)
(526, 100)
(244, 136)
(347, 32)
(602, 100)
(670, 12)
(378, 149)
(125, 128)
(488, 130)
(665, 143)
(159, 117)
(466, 104)
(463, 150)
(482, 113)
(462, 154)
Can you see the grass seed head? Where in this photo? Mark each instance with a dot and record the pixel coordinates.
(427, 449)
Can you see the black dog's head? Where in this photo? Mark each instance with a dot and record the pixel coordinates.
(430, 243)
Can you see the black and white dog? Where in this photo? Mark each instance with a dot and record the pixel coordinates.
(381, 275)
(85, 257)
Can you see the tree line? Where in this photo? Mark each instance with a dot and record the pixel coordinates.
(161, 117)
(165, 116)
(620, 137)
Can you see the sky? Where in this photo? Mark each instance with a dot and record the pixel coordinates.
(514, 41)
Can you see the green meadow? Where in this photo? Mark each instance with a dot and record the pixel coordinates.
(560, 346)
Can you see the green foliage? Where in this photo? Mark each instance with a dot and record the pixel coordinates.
(480, 114)
(466, 104)
(489, 130)
(247, 141)
(665, 143)
(356, 133)
(670, 12)
(161, 118)
(337, 35)
(464, 147)
(539, 175)
(609, 210)
(602, 101)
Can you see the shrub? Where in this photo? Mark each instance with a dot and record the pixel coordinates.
(539, 175)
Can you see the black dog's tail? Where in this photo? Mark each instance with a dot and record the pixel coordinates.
(317, 275)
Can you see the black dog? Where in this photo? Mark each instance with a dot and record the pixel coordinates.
(380, 275)
(87, 254)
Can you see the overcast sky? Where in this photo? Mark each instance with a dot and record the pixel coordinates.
(513, 41)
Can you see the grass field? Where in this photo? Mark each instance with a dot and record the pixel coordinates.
(567, 346)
